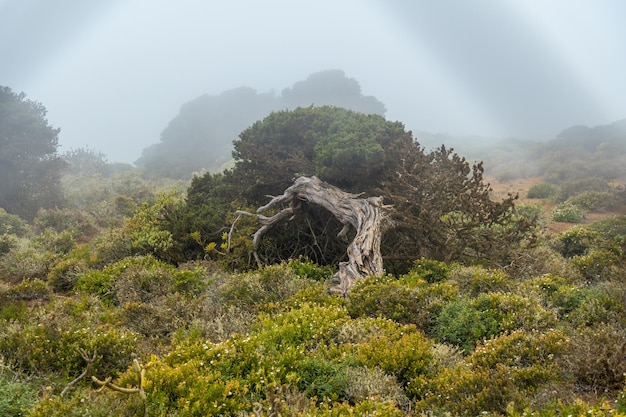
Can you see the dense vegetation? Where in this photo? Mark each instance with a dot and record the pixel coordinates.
(29, 165)
(139, 297)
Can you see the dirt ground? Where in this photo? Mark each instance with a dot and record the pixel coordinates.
(520, 187)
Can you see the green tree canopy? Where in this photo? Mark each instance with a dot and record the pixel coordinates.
(200, 137)
(29, 165)
(442, 207)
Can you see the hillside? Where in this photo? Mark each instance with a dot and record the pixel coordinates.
(121, 304)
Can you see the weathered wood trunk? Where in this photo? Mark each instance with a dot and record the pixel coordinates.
(366, 215)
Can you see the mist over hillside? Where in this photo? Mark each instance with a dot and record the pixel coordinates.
(200, 137)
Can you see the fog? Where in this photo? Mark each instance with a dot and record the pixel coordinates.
(113, 74)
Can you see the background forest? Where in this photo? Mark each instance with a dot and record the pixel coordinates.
(133, 290)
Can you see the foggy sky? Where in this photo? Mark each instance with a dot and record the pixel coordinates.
(112, 74)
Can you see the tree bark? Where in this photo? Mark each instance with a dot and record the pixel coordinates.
(366, 215)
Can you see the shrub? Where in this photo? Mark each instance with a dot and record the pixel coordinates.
(305, 268)
(576, 241)
(385, 297)
(12, 224)
(29, 290)
(598, 305)
(16, 396)
(568, 213)
(161, 316)
(7, 242)
(598, 264)
(78, 222)
(557, 293)
(25, 262)
(363, 383)
(475, 279)
(404, 353)
(597, 358)
(543, 190)
(46, 349)
(596, 201)
(140, 279)
(261, 289)
(55, 242)
(575, 187)
(65, 273)
(428, 270)
(467, 321)
(499, 376)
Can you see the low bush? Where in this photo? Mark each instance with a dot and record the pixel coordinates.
(7, 242)
(474, 280)
(542, 190)
(45, 349)
(428, 270)
(576, 241)
(140, 279)
(596, 201)
(29, 290)
(262, 289)
(568, 213)
(599, 265)
(499, 376)
(12, 224)
(404, 353)
(466, 322)
(597, 358)
(16, 396)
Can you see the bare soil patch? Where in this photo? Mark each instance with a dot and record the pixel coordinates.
(520, 187)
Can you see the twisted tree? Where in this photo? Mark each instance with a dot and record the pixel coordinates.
(366, 215)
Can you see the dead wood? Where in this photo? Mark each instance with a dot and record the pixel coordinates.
(366, 215)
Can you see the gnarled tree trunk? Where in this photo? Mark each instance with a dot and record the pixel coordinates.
(366, 215)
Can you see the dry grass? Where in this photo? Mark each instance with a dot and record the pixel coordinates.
(520, 186)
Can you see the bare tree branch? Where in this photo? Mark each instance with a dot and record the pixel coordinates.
(366, 215)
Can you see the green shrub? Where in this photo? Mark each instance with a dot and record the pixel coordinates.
(576, 241)
(25, 262)
(598, 305)
(29, 290)
(78, 222)
(385, 297)
(65, 273)
(305, 268)
(465, 322)
(404, 353)
(598, 265)
(568, 213)
(543, 190)
(363, 383)
(12, 224)
(557, 293)
(612, 227)
(475, 279)
(46, 349)
(596, 201)
(140, 279)
(161, 316)
(7, 242)
(499, 376)
(575, 187)
(12, 310)
(262, 289)
(16, 397)
(428, 270)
